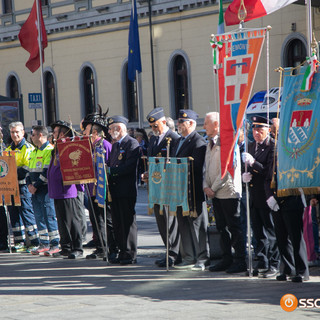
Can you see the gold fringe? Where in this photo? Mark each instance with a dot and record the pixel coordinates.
(150, 211)
(296, 192)
(68, 183)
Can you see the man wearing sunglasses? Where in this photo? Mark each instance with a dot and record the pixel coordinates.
(158, 148)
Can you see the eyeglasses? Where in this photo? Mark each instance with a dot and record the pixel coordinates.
(182, 120)
(153, 125)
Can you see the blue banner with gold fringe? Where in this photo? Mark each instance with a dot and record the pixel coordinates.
(299, 136)
(168, 184)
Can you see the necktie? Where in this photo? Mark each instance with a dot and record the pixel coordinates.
(211, 144)
(180, 144)
(258, 148)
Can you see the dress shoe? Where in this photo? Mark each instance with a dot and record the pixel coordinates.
(90, 244)
(269, 274)
(281, 277)
(184, 265)
(124, 262)
(220, 266)
(163, 263)
(297, 278)
(255, 273)
(115, 260)
(61, 253)
(237, 267)
(75, 255)
(198, 267)
(98, 253)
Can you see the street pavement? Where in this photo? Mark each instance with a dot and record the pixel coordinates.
(38, 287)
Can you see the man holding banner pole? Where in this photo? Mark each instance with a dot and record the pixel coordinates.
(158, 148)
(193, 226)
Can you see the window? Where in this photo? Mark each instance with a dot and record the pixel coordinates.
(88, 90)
(50, 98)
(296, 53)
(132, 99)
(7, 6)
(44, 2)
(180, 78)
(13, 87)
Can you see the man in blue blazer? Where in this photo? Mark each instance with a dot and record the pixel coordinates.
(122, 163)
(193, 230)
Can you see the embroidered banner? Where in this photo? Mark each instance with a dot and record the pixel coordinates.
(168, 184)
(238, 56)
(9, 180)
(76, 160)
(101, 176)
(299, 136)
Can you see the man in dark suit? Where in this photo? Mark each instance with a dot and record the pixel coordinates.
(163, 136)
(259, 159)
(122, 163)
(193, 230)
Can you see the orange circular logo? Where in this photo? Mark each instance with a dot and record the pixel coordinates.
(288, 302)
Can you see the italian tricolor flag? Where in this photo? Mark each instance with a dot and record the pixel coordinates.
(255, 9)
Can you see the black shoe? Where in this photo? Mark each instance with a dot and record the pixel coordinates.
(128, 261)
(98, 253)
(115, 260)
(61, 253)
(163, 263)
(297, 279)
(269, 274)
(255, 273)
(281, 277)
(112, 256)
(90, 244)
(220, 266)
(75, 255)
(237, 267)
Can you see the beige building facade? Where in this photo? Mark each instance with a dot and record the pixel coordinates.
(86, 58)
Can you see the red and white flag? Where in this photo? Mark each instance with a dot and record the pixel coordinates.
(255, 9)
(28, 37)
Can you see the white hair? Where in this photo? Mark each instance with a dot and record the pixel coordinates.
(213, 116)
(16, 124)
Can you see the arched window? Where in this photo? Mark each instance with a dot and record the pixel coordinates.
(294, 50)
(180, 75)
(13, 87)
(132, 99)
(50, 97)
(88, 82)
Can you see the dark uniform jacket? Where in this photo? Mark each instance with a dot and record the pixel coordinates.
(160, 150)
(259, 186)
(123, 163)
(194, 146)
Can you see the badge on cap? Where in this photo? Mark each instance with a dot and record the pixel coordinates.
(184, 115)
(110, 121)
(151, 119)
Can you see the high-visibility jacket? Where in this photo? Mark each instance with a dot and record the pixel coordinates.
(22, 155)
(38, 166)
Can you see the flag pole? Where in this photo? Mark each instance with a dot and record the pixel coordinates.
(309, 27)
(41, 64)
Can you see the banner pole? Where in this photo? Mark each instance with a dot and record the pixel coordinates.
(41, 64)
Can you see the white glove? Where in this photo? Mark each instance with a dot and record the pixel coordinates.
(248, 158)
(273, 204)
(246, 177)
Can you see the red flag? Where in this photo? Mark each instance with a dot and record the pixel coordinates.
(255, 9)
(28, 37)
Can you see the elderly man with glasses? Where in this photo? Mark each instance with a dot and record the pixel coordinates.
(158, 148)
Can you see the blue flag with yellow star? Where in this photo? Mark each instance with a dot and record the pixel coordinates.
(134, 59)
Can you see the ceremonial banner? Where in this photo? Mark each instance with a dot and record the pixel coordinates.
(299, 136)
(101, 176)
(168, 184)
(8, 180)
(237, 55)
(76, 160)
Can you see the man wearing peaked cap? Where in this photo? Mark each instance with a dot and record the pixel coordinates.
(118, 119)
(123, 163)
(259, 159)
(158, 148)
(193, 231)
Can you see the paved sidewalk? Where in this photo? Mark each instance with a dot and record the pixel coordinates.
(35, 287)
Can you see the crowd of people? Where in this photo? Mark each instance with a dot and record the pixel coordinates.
(51, 218)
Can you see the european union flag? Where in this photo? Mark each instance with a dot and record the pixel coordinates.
(134, 59)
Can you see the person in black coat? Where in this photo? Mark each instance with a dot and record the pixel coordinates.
(287, 215)
(122, 167)
(158, 148)
(193, 231)
(259, 159)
